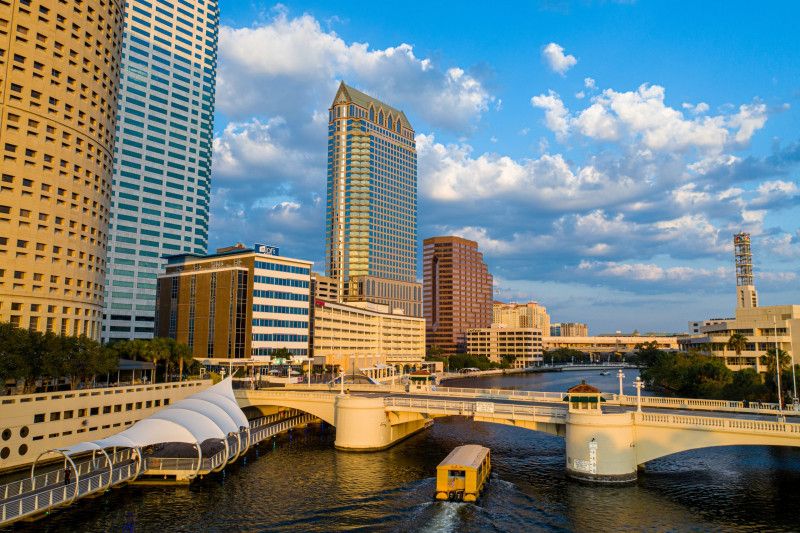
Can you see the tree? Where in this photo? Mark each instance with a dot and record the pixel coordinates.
(182, 354)
(770, 377)
(737, 343)
(282, 355)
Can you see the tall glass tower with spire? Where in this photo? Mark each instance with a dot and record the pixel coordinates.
(162, 156)
(371, 214)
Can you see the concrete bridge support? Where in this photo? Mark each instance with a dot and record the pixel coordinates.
(601, 448)
(362, 424)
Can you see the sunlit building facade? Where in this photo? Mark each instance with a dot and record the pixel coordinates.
(527, 315)
(162, 158)
(58, 101)
(457, 290)
(371, 215)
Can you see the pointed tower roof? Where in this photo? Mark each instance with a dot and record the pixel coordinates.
(345, 93)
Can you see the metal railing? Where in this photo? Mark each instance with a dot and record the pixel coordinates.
(467, 408)
(49, 498)
(269, 431)
(52, 477)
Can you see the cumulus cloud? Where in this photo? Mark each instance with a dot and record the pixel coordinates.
(643, 117)
(553, 55)
(649, 272)
(291, 65)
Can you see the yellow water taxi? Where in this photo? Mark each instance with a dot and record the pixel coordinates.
(463, 473)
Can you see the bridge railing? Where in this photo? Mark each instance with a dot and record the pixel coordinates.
(40, 501)
(731, 424)
(269, 431)
(467, 408)
(504, 394)
(693, 403)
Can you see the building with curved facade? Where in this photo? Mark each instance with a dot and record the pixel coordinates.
(58, 101)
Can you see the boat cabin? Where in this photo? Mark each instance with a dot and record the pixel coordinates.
(463, 473)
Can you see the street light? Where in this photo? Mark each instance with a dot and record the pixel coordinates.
(777, 362)
(341, 376)
(620, 375)
(638, 383)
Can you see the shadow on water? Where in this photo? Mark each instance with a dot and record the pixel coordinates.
(300, 482)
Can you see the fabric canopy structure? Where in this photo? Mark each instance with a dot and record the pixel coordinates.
(212, 414)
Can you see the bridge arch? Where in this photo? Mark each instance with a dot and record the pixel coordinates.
(320, 405)
(655, 443)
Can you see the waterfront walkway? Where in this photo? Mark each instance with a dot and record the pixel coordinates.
(94, 468)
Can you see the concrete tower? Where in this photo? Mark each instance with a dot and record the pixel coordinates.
(58, 99)
(371, 216)
(746, 295)
(162, 157)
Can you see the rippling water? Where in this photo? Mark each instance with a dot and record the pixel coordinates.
(300, 483)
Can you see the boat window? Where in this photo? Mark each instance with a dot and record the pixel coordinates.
(458, 473)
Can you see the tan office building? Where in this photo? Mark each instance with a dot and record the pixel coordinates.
(608, 344)
(763, 327)
(235, 304)
(457, 291)
(569, 329)
(528, 315)
(522, 347)
(366, 336)
(58, 101)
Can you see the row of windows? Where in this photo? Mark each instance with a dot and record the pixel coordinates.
(274, 323)
(280, 267)
(281, 281)
(279, 337)
(279, 295)
(258, 308)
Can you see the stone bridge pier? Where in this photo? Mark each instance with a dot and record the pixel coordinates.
(600, 448)
(362, 424)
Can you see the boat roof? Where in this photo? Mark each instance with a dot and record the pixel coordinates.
(468, 456)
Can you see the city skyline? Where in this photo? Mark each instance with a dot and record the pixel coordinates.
(591, 181)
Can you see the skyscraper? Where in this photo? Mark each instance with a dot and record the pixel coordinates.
(371, 216)
(162, 158)
(457, 290)
(58, 98)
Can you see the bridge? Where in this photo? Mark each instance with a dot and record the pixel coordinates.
(607, 436)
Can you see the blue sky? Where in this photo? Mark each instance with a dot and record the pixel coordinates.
(601, 153)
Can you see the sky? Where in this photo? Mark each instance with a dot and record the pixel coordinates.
(601, 153)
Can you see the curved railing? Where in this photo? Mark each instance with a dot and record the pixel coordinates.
(467, 408)
(22, 506)
(716, 423)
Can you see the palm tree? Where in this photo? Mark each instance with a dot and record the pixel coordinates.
(769, 360)
(737, 343)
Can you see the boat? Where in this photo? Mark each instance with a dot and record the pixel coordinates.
(605, 373)
(462, 475)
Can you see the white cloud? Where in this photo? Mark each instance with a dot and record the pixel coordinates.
(555, 113)
(775, 193)
(643, 117)
(589, 83)
(554, 56)
(291, 65)
(650, 272)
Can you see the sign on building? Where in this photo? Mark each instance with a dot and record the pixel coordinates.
(484, 407)
(266, 249)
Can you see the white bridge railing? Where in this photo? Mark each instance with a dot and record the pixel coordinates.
(466, 408)
(714, 423)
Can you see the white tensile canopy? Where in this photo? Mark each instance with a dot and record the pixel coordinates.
(210, 414)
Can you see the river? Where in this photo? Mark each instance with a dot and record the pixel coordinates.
(300, 483)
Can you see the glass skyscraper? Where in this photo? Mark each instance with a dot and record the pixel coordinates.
(371, 215)
(162, 157)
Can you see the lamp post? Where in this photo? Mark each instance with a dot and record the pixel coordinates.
(638, 383)
(620, 375)
(777, 361)
(341, 376)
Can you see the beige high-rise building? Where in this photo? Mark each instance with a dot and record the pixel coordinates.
(569, 329)
(58, 101)
(514, 315)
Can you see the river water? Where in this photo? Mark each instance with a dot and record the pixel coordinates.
(300, 483)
